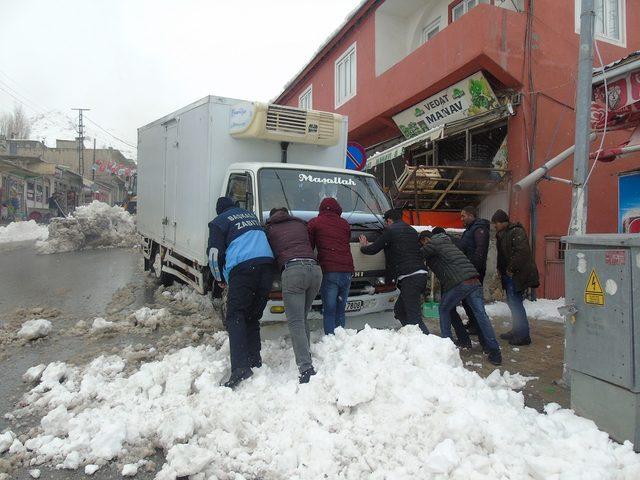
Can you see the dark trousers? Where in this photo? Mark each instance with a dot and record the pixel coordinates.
(408, 306)
(458, 326)
(248, 294)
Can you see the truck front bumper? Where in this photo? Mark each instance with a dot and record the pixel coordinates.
(379, 302)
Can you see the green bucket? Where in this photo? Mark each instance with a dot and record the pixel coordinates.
(430, 310)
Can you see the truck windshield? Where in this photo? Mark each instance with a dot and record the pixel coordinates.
(302, 191)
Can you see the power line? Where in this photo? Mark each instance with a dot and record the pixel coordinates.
(108, 132)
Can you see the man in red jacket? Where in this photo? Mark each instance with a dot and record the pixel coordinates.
(330, 234)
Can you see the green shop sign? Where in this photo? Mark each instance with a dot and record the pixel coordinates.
(467, 98)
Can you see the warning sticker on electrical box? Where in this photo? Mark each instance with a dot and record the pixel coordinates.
(593, 293)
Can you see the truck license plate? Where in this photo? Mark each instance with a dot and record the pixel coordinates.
(353, 306)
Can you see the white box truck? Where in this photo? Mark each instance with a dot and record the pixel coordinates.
(263, 156)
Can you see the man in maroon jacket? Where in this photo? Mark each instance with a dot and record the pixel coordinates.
(301, 279)
(330, 233)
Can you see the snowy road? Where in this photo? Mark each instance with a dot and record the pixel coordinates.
(79, 286)
(141, 323)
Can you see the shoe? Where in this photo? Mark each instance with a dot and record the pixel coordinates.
(306, 375)
(506, 336)
(238, 376)
(495, 357)
(255, 363)
(463, 346)
(520, 341)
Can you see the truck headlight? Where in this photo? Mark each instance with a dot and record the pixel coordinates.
(380, 281)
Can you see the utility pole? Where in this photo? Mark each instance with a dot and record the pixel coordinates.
(579, 194)
(93, 168)
(80, 139)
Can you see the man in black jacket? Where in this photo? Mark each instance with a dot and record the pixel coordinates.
(475, 245)
(459, 281)
(402, 249)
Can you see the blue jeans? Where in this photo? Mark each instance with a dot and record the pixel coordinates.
(334, 292)
(472, 294)
(519, 322)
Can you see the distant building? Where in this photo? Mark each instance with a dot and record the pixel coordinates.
(109, 173)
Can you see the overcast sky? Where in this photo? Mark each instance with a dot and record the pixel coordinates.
(133, 61)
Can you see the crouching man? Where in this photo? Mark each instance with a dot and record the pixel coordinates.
(301, 280)
(240, 257)
(459, 281)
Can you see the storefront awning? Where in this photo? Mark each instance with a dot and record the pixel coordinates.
(439, 133)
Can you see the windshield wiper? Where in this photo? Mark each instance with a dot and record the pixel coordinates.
(286, 200)
(365, 204)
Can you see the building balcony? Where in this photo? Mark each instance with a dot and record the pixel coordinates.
(488, 38)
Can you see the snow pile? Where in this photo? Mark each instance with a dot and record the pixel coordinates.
(100, 324)
(188, 298)
(32, 329)
(149, 317)
(6, 439)
(384, 404)
(23, 232)
(34, 373)
(541, 309)
(90, 226)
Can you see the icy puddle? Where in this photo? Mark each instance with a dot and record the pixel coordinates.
(384, 405)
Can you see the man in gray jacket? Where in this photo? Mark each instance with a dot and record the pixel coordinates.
(459, 280)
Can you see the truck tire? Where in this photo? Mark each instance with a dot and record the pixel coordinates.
(165, 278)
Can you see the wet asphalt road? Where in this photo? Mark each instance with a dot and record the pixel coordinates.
(79, 284)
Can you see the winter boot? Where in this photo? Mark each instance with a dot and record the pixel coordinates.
(506, 336)
(495, 357)
(306, 375)
(237, 376)
(517, 341)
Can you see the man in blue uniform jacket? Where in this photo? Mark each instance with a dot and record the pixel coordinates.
(241, 259)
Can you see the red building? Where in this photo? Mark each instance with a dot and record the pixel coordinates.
(397, 58)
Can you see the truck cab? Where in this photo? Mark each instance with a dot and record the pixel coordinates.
(259, 187)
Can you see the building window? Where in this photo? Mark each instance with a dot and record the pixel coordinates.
(610, 20)
(430, 31)
(345, 81)
(305, 100)
(462, 7)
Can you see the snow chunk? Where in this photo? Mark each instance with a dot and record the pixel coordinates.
(582, 262)
(130, 470)
(91, 226)
(149, 317)
(32, 329)
(35, 473)
(373, 389)
(91, 469)
(541, 309)
(6, 439)
(101, 324)
(23, 232)
(34, 373)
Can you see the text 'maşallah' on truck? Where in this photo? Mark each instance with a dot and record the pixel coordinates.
(263, 156)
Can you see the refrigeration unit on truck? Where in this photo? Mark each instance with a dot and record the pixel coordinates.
(263, 156)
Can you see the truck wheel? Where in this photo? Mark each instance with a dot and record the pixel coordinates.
(165, 278)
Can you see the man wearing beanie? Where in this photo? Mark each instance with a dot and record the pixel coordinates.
(459, 281)
(518, 273)
(330, 234)
(241, 259)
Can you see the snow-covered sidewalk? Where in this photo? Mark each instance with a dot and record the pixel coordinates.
(384, 404)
